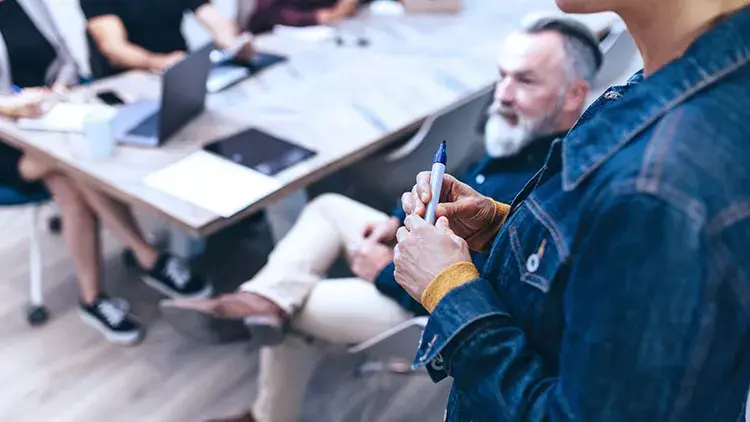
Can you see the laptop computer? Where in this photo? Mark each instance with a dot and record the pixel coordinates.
(432, 6)
(183, 96)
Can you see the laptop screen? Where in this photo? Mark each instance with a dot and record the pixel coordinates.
(184, 92)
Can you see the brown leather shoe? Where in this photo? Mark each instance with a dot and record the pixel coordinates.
(245, 417)
(227, 318)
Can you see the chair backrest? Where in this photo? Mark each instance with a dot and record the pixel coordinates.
(10, 196)
(400, 342)
(397, 167)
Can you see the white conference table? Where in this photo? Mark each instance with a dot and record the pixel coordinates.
(343, 101)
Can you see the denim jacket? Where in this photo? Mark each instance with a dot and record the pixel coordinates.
(618, 288)
(498, 178)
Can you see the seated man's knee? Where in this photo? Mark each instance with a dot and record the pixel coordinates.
(327, 200)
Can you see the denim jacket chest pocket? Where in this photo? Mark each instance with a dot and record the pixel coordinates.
(534, 274)
(534, 259)
(539, 249)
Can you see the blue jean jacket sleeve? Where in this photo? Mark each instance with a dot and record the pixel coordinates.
(631, 345)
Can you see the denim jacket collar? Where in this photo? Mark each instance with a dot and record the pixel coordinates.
(584, 151)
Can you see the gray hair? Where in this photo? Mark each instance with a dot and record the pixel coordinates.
(582, 54)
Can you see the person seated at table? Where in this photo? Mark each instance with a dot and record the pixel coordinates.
(269, 13)
(545, 75)
(147, 34)
(34, 61)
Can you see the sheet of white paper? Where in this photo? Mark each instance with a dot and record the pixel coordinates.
(213, 183)
(66, 117)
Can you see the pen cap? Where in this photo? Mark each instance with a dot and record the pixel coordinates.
(441, 156)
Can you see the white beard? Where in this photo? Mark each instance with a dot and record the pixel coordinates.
(503, 140)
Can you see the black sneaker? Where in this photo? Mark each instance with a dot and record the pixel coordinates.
(173, 277)
(108, 316)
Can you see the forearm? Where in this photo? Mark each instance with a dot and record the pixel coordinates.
(224, 36)
(223, 31)
(130, 56)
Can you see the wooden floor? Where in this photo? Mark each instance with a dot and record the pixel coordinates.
(66, 372)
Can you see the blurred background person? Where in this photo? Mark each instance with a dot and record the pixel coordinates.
(35, 67)
(147, 35)
(268, 13)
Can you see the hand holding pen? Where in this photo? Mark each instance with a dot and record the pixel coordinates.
(25, 103)
(426, 247)
(468, 212)
(436, 182)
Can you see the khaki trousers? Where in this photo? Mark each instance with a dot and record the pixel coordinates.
(338, 311)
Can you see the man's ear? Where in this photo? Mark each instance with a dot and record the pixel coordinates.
(576, 96)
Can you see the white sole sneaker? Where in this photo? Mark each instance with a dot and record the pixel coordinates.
(174, 294)
(122, 339)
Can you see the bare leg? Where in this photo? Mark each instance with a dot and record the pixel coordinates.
(79, 225)
(118, 218)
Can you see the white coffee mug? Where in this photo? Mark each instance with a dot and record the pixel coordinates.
(98, 133)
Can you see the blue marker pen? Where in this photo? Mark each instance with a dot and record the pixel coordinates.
(436, 182)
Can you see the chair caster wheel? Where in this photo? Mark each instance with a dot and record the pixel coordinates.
(128, 258)
(54, 225)
(37, 315)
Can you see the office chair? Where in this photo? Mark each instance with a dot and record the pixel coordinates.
(393, 350)
(396, 167)
(37, 313)
(391, 354)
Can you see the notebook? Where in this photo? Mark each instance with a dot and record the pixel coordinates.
(260, 151)
(65, 117)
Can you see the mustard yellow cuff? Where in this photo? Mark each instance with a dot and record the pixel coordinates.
(482, 241)
(447, 280)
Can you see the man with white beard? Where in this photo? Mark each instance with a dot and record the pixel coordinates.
(545, 74)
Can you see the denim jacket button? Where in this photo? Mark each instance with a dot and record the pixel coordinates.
(480, 179)
(532, 264)
(437, 363)
(612, 95)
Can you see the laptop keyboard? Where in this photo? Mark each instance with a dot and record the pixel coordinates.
(148, 127)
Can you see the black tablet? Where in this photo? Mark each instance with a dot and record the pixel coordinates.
(260, 151)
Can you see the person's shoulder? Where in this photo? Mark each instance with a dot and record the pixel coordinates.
(94, 8)
(695, 156)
